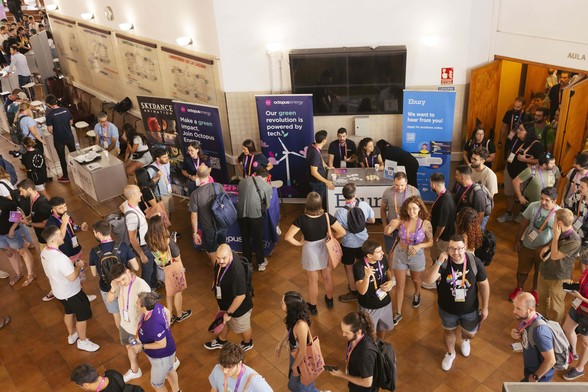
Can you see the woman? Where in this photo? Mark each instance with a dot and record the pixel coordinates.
(576, 324)
(297, 335)
(467, 224)
(313, 225)
(415, 234)
(28, 126)
(191, 163)
(479, 139)
(250, 159)
(368, 154)
(166, 251)
(156, 340)
(34, 163)
(23, 40)
(8, 190)
(137, 153)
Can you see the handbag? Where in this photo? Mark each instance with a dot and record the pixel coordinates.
(175, 278)
(313, 363)
(333, 247)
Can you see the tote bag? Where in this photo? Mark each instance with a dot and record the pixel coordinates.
(333, 247)
(313, 364)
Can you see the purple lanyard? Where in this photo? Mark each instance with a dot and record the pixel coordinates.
(454, 274)
(196, 165)
(343, 154)
(544, 222)
(239, 378)
(218, 281)
(69, 228)
(129, 293)
(541, 176)
(379, 267)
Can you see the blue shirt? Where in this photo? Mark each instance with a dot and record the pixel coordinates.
(161, 187)
(26, 122)
(105, 134)
(351, 240)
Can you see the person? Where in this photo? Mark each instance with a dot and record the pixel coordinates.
(137, 153)
(477, 140)
(231, 372)
(59, 121)
(442, 216)
(537, 102)
(342, 152)
(156, 340)
(481, 172)
(572, 180)
(107, 135)
(28, 126)
(14, 105)
(297, 334)
(469, 194)
(459, 281)
(124, 254)
(254, 199)
(362, 353)
(160, 173)
(538, 354)
(575, 327)
(368, 154)
(556, 93)
(545, 133)
(36, 211)
(64, 278)
(313, 225)
(511, 121)
(24, 45)
(351, 243)
(125, 289)
(402, 158)
(165, 252)
(34, 163)
(86, 377)
(19, 65)
(467, 224)
(15, 8)
(192, 161)
(392, 200)
(10, 191)
(580, 210)
(535, 231)
(148, 202)
(317, 168)
(415, 234)
(251, 159)
(559, 258)
(233, 297)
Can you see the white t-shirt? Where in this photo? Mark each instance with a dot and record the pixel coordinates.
(487, 177)
(57, 267)
(134, 220)
(3, 190)
(257, 384)
(138, 286)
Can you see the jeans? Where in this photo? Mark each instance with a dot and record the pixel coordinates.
(484, 222)
(294, 383)
(252, 229)
(60, 149)
(321, 189)
(148, 272)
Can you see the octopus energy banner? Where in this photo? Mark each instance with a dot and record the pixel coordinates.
(427, 131)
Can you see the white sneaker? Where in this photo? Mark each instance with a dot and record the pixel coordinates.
(91, 297)
(87, 345)
(447, 361)
(506, 217)
(176, 364)
(4, 274)
(429, 286)
(130, 375)
(466, 348)
(73, 338)
(261, 267)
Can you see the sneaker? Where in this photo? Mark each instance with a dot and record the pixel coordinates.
(4, 274)
(572, 374)
(173, 320)
(416, 301)
(349, 297)
(429, 286)
(312, 309)
(91, 297)
(536, 296)
(174, 236)
(261, 267)
(518, 219)
(72, 338)
(514, 293)
(176, 364)
(397, 318)
(87, 345)
(466, 348)
(63, 179)
(447, 361)
(185, 315)
(329, 302)
(131, 375)
(214, 344)
(48, 297)
(247, 346)
(506, 217)
(576, 357)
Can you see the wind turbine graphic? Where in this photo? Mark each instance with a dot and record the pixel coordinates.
(287, 158)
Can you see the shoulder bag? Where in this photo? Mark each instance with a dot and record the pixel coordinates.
(333, 247)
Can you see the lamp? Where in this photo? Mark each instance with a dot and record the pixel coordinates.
(51, 7)
(126, 26)
(273, 47)
(87, 15)
(184, 41)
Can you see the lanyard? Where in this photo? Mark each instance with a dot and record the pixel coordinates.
(349, 351)
(518, 149)
(343, 154)
(105, 131)
(248, 158)
(164, 169)
(525, 324)
(373, 157)
(541, 176)
(33, 202)
(463, 274)
(143, 318)
(196, 165)
(376, 284)
(69, 225)
(100, 385)
(464, 194)
(52, 248)
(238, 379)
(520, 115)
(218, 281)
(546, 218)
(129, 293)
(395, 202)
(438, 197)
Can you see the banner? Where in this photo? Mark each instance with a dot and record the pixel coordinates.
(427, 131)
(286, 130)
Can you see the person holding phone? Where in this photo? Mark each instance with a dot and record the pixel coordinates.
(575, 327)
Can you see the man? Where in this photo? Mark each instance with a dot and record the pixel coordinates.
(482, 173)
(352, 243)
(12, 39)
(459, 280)
(317, 168)
(402, 158)
(64, 278)
(111, 249)
(254, 199)
(19, 65)
(572, 183)
(230, 372)
(442, 216)
(39, 208)
(535, 231)
(201, 214)
(15, 8)
(106, 134)
(579, 208)
(391, 202)
(538, 354)
(556, 93)
(559, 258)
(233, 297)
(160, 173)
(468, 193)
(87, 378)
(342, 152)
(59, 121)
(126, 286)
(137, 227)
(510, 123)
(545, 133)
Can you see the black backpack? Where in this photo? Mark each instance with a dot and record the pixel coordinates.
(386, 374)
(15, 133)
(488, 248)
(248, 267)
(489, 200)
(355, 219)
(107, 260)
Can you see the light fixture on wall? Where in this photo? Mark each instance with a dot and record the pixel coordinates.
(184, 41)
(126, 26)
(51, 7)
(87, 16)
(273, 47)
(430, 40)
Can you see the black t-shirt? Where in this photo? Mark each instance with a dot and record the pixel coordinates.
(314, 158)
(314, 228)
(338, 151)
(6, 205)
(472, 196)
(443, 215)
(368, 160)
(445, 286)
(370, 300)
(488, 144)
(59, 119)
(362, 363)
(125, 253)
(535, 149)
(251, 163)
(40, 212)
(191, 165)
(513, 119)
(116, 383)
(232, 284)
(146, 196)
(34, 162)
(67, 246)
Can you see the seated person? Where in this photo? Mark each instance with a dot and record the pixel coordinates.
(106, 134)
(137, 153)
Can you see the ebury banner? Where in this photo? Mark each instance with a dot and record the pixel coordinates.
(286, 129)
(427, 132)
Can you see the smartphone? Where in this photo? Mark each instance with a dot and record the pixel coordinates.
(569, 287)
(330, 368)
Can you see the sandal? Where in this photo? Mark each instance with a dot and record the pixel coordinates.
(4, 322)
(15, 279)
(29, 280)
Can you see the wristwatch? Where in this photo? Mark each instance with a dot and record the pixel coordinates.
(535, 377)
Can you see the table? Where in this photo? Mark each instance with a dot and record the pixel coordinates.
(369, 191)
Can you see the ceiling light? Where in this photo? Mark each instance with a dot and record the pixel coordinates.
(184, 41)
(51, 7)
(87, 15)
(126, 26)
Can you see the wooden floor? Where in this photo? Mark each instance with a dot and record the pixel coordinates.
(34, 354)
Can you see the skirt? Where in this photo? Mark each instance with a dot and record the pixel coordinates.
(314, 255)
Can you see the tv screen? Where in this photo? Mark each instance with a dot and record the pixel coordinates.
(360, 80)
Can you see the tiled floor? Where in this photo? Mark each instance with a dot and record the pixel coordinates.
(34, 354)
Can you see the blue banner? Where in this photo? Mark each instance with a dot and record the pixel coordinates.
(427, 131)
(286, 129)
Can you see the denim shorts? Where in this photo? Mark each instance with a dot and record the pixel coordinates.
(581, 319)
(112, 307)
(402, 261)
(160, 367)
(16, 242)
(469, 322)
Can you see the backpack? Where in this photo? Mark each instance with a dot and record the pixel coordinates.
(471, 262)
(488, 248)
(118, 226)
(153, 185)
(355, 219)
(223, 210)
(248, 267)
(123, 106)
(489, 200)
(14, 193)
(561, 346)
(107, 260)
(9, 168)
(386, 374)
(15, 132)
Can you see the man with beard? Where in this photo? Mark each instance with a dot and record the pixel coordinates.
(510, 123)
(556, 93)
(482, 173)
(545, 133)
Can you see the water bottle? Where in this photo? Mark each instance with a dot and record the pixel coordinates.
(77, 146)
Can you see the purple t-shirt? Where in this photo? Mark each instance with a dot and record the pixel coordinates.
(154, 329)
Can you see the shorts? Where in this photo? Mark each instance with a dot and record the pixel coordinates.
(389, 241)
(584, 253)
(40, 188)
(438, 248)
(16, 242)
(112, 307)
(124, 336)
(212, 238)
(581, 319)
(145, 159)
(160, 367)
(78, 305)
(382, 317)
(350, 255)
(168, 202)
(528, 259)
(240, 324)
(402, 261)
(508, 187)
(469, 322)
